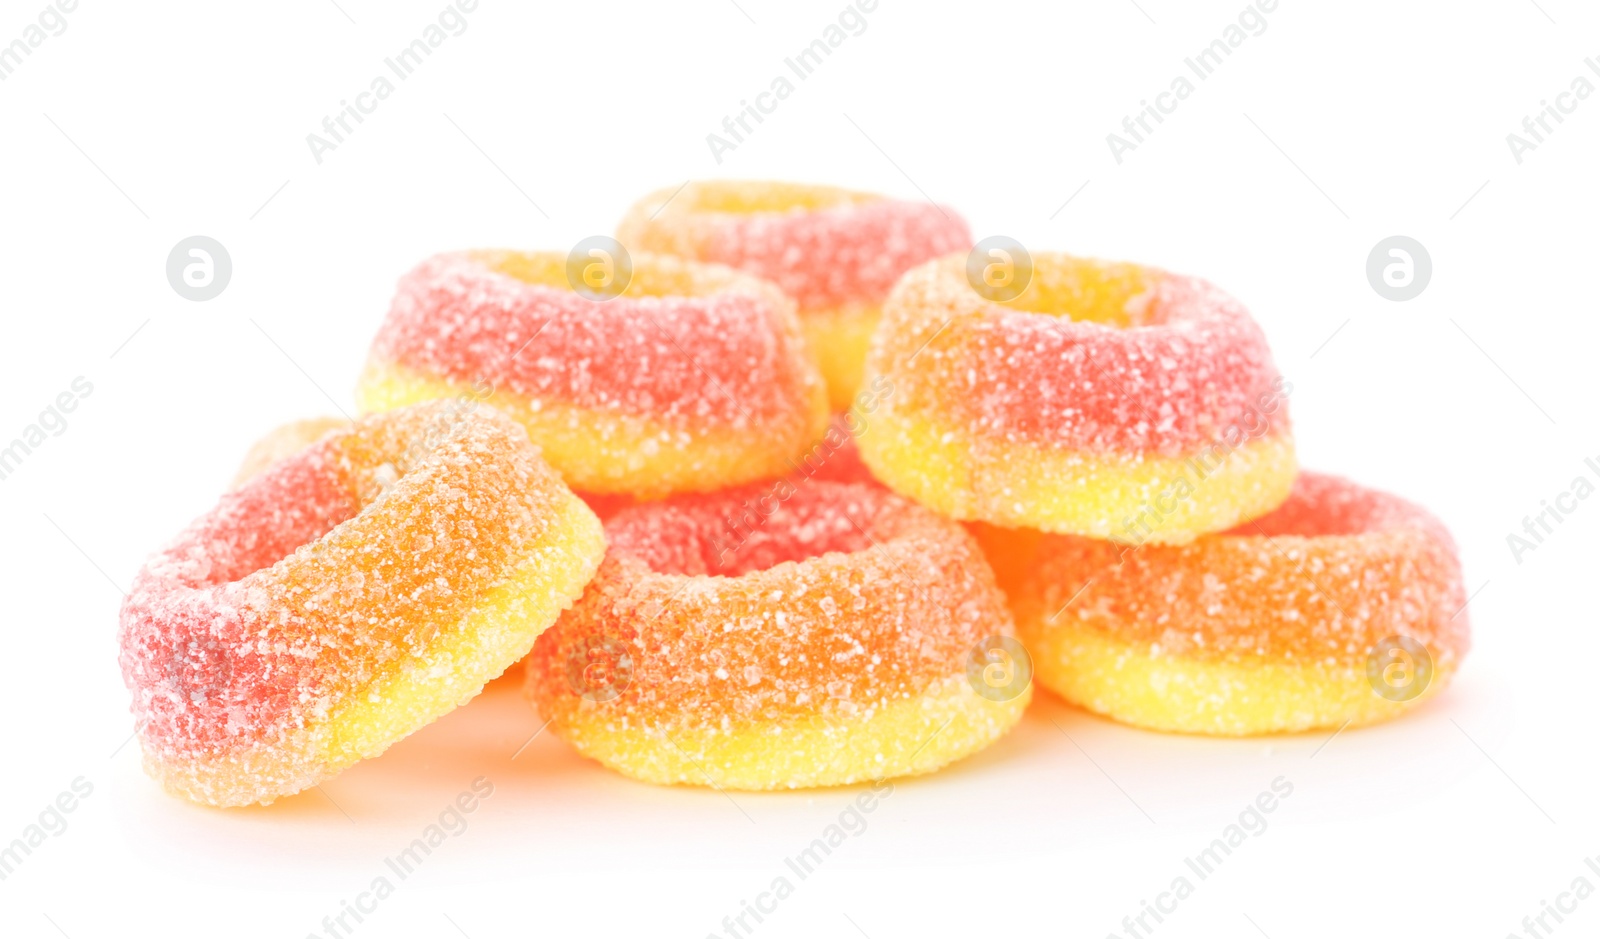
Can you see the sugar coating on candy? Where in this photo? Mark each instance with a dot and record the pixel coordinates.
(726, 353)
(1099, 357)
(1323, 577)
(825, 247)
(836, 252)
(1108, 400)
(1266, 627)
(726, 535)
(345, 597)
(695, 378)
(764, 623)
(833, 457)
(285, 441)
(802, 594)
(837, 256)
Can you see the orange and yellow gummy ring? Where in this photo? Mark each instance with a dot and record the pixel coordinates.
(1106, 399)
(345, 597)
(778, 637)
(836, 252)
(694, 378)
(1343, 605)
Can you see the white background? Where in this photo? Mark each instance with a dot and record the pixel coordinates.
(1476, 399)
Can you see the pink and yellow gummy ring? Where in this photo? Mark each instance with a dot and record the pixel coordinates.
(836, 252)
(1343, 605)
(346, 597)
(1106, 399)
(778, 638)
(695, 378)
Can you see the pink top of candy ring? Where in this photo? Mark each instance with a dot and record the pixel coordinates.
(1188, 365)
(833, 257)
(1325, 506)
(724, 357)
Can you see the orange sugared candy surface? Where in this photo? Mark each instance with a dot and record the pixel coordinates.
(345, 597)
(1343, 605)
(777, 636)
